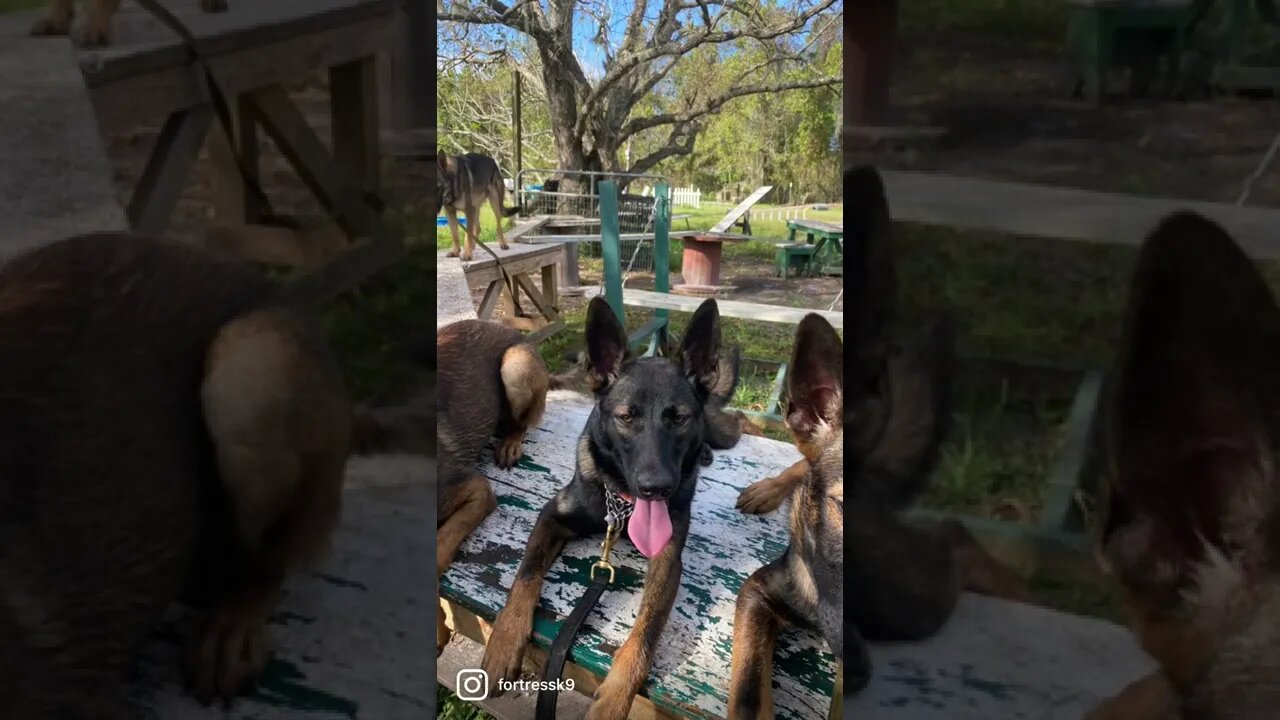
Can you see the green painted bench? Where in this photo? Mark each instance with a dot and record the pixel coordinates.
(792, 256)
(691, 668)
(827, 239)
(349, 639)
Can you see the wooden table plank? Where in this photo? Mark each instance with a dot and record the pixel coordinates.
(1044, 211)
(57, 179)
(347, 639)
(728, 308)
(691, 668)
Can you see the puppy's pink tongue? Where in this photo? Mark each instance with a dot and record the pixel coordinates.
(650, 526)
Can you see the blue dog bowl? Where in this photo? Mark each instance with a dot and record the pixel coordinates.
(444, 222)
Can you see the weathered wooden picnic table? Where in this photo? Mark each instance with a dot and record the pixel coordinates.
(348, 639)
(827, 239)
(520, 262)
(994, 660)
(691, 666)
(254, 51)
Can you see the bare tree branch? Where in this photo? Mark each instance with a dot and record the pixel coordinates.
(644, 123)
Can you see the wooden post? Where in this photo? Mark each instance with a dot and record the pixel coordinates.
(611, 247)
(353, 107)
(515, 112)
(232, 201)
(868, 61)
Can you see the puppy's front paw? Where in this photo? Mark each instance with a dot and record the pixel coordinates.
(509, 451)
(611, 703)
(94, 33)
(762, 497)
(504, 652)
(228, 655)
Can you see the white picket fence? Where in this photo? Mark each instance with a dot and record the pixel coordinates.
(685, 197)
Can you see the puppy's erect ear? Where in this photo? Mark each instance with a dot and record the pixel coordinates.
(607, 347)
(816, 381)
(1191, 410)
(873, 286)
(699, 353)
(442, 163)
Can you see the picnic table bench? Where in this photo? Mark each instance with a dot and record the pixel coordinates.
(520, 262)
(826, 239)
(994, 660)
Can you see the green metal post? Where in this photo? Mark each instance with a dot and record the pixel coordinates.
(661, 255)
(611, 247)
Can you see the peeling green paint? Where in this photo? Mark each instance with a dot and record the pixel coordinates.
(526, 463)
(516, 501)
(280, 686)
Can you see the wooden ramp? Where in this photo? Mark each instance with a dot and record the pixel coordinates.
(1044, 211)
(56, 179)
(734, 215)
(348, 639)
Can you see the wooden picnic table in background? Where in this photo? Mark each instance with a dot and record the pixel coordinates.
(690, 672)
(827, 239)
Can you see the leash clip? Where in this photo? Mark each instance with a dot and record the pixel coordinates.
(610, 536)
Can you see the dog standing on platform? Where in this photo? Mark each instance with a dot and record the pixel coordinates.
(465, 182)
(904, 580)
(96, 29)
(642, 446)
(1191, 524)
(171, 431)
(492, 383)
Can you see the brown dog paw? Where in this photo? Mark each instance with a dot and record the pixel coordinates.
(509, 451)
(51, 26)
(764, 496)
(611, 703)
(504, 652)
(213, 6)
(228, 655)
(93, 34)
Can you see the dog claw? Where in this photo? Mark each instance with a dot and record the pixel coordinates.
(227, 657)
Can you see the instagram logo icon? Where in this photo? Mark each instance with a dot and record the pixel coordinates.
(472, 685)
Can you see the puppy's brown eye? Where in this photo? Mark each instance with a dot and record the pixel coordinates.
(623, 417)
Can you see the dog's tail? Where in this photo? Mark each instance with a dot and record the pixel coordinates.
(725, 427)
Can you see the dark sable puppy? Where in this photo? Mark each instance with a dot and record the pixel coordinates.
(642, 444)
(1192, 498)
(492, 382)
(904, 580)
(166, 427)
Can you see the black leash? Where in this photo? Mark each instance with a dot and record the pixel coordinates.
(618, 512)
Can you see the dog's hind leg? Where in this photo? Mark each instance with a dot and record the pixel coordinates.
(767, 495)
(452, 216)
(525, 381)
(495, 201)
(280, 421)
(464, 506)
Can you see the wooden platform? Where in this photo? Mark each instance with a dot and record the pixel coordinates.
(56, 177)
(691, 669)
(453, 295)
(1044, 211)
(348, 638)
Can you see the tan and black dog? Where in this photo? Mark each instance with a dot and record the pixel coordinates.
(96, 29)
(642, 446)
(169, 431)
(465, 182)
(492, 383)
(1191, 524)
(903, 580)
